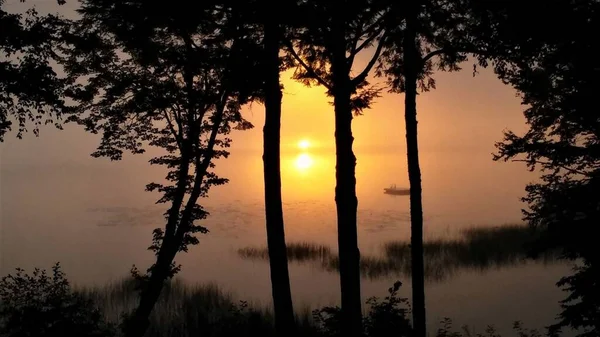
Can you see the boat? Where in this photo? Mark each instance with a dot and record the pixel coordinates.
(393, 190)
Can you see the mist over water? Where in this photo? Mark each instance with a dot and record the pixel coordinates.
(94, 217)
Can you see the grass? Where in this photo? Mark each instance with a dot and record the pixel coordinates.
(480, 248)
(191, 310)
(205, 310)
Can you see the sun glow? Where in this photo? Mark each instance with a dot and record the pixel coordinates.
(303, 162)
(304, 144)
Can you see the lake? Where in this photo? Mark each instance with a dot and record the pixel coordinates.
(94, 217)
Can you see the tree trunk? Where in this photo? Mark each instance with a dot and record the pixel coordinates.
(411, 66)
(346, 201)
(280, 280)
(347, 204)
(345, 189)
(138, 323)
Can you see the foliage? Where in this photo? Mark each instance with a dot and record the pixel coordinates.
(557, 78)
(441, 36)
(192, 310)
(40, 305)
(386, 318)
(316, 44)
(161, 78)
(30, 89)
(170, 78)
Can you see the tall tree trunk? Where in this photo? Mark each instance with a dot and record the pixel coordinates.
(347, 204)
(411, 66)
(138, 323)
(280, 279)
(345, 191)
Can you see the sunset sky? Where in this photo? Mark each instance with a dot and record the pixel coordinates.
(459, 122)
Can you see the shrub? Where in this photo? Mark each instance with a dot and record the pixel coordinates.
(39, 305)
(385, 318)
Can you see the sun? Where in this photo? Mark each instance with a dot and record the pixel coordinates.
(303, 162)
(304, 144)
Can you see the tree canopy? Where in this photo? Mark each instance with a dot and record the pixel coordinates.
(31, 92)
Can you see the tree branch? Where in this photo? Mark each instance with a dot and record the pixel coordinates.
(358, 33)
(363, 75)
(539, 162)
(373, 36)
(310, 70)
(433, 54)
(176, 134)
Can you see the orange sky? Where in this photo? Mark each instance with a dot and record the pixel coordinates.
(464, 115)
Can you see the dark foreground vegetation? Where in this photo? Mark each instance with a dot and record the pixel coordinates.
(44, 304)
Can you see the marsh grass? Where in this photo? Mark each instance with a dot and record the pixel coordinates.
(186, 310)
(191, 310)
(479, 248)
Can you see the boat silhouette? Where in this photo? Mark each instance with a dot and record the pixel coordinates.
(393, 190)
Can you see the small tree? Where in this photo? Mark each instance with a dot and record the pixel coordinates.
(42, 305)
(167, 77)
(386, 318)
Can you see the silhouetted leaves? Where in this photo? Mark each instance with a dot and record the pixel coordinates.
(30, 90)
(44, 305)
(557, 76)
(170, 77)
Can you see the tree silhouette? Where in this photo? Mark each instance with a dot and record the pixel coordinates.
(257, 20)
(280, 279)
(423, 36)
(325, 49)
(554, 69)
(166, 77)
(30, 89)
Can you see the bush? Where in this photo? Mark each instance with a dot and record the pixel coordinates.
(446, 331)
(40, 305)
(385, 318)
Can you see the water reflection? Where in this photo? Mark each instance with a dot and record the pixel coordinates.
(476, 249)
(303, 162)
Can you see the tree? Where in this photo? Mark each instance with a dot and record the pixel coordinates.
(27, 47)
(280, 279)
(325, 50)
(423, 35)
(257, 20)
(166, 77)
(557, 76)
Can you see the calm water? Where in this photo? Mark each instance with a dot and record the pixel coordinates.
(94, 217)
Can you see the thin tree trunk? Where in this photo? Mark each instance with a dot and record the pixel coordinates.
(139, 321)
(411, 64)
(345, 189)
(280, 280)
(347, 204)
